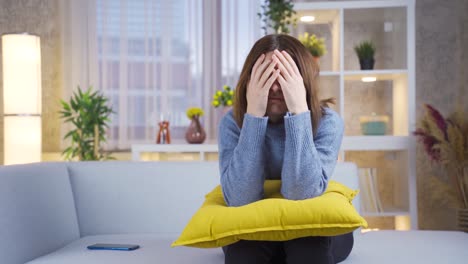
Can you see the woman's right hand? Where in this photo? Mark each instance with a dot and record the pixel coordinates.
(261, 79)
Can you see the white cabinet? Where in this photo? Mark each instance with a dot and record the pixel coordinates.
(175, 151)
(391, 26)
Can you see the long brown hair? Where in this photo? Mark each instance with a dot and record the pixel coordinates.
(304, 61)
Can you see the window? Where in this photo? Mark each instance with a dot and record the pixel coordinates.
(155, 58)
(148, 65)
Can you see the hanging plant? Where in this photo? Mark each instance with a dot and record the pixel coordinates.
(278, 14)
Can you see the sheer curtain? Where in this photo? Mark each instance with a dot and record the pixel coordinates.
(240, 29)
(149, 62)
(155, 58)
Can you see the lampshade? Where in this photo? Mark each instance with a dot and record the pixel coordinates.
(22, 139)
(21, 98)
(21, 74)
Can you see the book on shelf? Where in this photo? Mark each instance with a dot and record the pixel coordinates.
(370, 198)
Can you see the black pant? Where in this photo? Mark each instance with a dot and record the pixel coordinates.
(316, 250)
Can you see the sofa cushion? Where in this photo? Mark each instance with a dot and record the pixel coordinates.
(383, 247)
(273, 218)
(37, 211)
(153, 249)
(117, 197)
(408, 247)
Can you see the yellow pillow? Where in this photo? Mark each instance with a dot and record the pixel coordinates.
(273, 218)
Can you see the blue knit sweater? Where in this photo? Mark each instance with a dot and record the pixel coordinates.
(286, 150)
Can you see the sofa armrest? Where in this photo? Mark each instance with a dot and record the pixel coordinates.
(37, 211)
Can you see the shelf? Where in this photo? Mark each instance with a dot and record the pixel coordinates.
(390, 25)
(348, 4)
(321, 16)
(385, 27)
(350, 143)
(175, 147)
(330, 73)
(357, 75)
(379, 74)
(359, 143)
(388, 212)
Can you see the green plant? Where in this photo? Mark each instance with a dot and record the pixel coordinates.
(316, 46)
(89, 114)
(278, 14)
(365, 50)
(223, 97)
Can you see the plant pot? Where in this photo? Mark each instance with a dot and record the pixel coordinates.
(367, 64)
(462, 219)
(195, 133)
(316, 60)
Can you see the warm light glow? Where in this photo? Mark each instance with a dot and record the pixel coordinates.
(22, 139)
(369, 79)
(369, 230)
(402, 222)
(21, 98)
(21, 74)
(307, 18)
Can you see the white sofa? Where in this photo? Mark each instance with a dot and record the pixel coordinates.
(50, 212)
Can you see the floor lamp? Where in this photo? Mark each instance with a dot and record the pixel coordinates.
(21, 98)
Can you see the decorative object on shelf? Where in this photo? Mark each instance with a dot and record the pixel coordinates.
(278, 15)
(370, 200)
(164, 135)
(365, 52)
(369, 79)
(224, 97)
(316, 46)
(22, 107)
(195, 133)
(374, 124)
(89, 114)
(445, 141)
(462, 213)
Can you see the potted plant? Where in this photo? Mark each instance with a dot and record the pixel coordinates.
(195, 133)
(277, 14)
(365, 52)
(223, 98)
(88, 113)
(445, 141)
(315, 45)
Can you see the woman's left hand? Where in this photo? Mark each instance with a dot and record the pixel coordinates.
(291, 82)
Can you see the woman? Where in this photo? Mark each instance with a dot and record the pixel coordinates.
(278, 129)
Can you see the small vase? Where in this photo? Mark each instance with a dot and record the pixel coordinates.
(462, 219)
(316, 60)
(195, 133)
(163, 136)
(462, 212)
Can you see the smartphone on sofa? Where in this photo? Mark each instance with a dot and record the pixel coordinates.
(101, 246)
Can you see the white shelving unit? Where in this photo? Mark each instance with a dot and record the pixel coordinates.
(343, 24)
(178, 147)
(391, 25)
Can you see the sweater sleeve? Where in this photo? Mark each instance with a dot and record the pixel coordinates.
(241, 159)
(308, 163)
